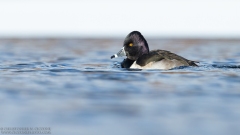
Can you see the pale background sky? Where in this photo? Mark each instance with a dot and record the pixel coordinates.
(114, 18)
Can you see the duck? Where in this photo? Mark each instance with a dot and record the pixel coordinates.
(135, 48)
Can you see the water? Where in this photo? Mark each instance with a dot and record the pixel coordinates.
(72, 86)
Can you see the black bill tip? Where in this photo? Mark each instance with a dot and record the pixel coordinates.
(112, 56)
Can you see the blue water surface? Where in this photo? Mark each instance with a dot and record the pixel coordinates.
(72, 86)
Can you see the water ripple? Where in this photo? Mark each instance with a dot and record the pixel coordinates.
(72, 84)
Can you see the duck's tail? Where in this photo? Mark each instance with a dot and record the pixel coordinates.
(193, 63)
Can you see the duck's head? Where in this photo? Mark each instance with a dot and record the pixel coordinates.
(134, 46)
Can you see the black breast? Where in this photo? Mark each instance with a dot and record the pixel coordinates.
(126, 63)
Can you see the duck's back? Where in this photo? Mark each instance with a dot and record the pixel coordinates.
(161, 59)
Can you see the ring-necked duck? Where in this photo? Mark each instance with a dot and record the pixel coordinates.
(136, 49)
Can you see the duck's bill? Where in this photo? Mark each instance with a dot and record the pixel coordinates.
(121, 53)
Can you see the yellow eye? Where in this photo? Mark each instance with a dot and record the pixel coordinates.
(131, 44)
